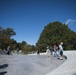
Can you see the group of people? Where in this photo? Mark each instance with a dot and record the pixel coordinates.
(57, 50)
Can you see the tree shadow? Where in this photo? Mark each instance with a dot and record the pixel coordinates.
(3, 66)
(2, 73)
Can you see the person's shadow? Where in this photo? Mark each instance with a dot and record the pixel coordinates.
(2, 73)
(65, 57)
(2, 67)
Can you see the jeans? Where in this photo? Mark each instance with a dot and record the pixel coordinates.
(58, 52)
(55, 53)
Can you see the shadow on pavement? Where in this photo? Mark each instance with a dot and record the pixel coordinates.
(74, 74)
(2, 73)
(3, 66)
(65, 57)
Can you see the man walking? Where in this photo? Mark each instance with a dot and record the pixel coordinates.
(61, 50)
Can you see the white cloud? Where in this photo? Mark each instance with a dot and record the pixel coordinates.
(70, 21)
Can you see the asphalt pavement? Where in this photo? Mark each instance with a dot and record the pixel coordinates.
(28, 64)
(68, 67)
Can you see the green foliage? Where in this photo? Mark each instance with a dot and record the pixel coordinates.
(5, 37)
(28, 49)
(10, 32)
(56, 32)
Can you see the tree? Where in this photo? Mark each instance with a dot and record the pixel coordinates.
(10, 32)
(26, 49)
(5, 37)
(56, 32)
(24, 43)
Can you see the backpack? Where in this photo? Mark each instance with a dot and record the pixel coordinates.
(58, 47)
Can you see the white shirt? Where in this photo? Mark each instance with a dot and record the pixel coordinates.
(60, 47)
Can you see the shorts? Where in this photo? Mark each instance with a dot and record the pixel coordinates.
(48, 51)
(61, 53)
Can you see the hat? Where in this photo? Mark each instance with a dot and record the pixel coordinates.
(61, 43)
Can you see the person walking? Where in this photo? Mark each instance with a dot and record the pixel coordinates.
(8, 50)
(38, 51)
(51, 50)
(61, 50)
(48, 51)
(55, 49)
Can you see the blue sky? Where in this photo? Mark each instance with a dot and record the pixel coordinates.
(29, 17)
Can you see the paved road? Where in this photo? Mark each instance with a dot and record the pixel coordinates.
(68, 67)
(28, 64)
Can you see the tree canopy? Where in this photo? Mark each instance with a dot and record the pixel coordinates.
(5, 37)
(56, 32)
(6, 40)
(52, 33)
